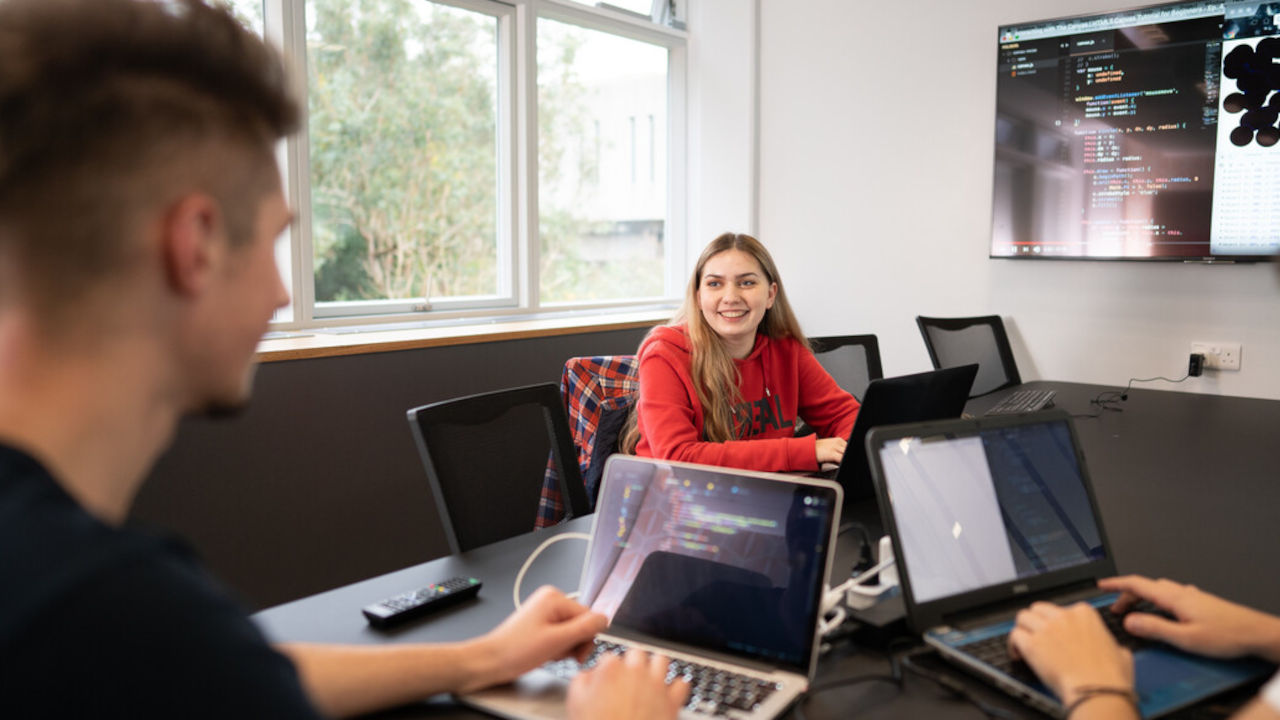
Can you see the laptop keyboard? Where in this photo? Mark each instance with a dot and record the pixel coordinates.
(995, 650)
(1023, 401)
(713, 691)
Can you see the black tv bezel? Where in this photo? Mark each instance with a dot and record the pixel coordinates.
(1146, 259)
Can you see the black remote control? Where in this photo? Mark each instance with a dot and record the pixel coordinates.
(415, 603)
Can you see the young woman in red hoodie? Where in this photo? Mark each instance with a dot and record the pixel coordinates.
(726, 381)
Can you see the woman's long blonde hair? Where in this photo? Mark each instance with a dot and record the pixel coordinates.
(714, 375)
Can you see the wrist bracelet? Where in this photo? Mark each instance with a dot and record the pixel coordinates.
(1088, 692)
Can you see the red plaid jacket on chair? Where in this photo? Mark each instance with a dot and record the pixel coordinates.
(589, 386)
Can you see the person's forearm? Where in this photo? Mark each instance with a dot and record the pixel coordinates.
(1266, 644)
(344, 680)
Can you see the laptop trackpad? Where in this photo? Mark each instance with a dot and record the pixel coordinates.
(537, 694)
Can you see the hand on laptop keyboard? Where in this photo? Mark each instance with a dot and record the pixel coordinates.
(830, 450)
(635, 686)
(1070, 649)
(1115, 622)
(1196, 621)
(708, 690)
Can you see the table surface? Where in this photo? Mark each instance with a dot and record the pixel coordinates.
(1185, 483)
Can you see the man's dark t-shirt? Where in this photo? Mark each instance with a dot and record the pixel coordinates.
(97, 621)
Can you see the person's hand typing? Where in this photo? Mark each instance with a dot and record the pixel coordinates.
(1204, 623)
(630, 688)
(830, 450)
(548, 626)
(1070, 649)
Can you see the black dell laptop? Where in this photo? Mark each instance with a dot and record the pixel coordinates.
(987, 515)
(934, 395)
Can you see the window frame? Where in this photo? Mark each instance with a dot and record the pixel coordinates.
(519, 257)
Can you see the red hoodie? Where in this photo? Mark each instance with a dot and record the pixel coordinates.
(779, 381)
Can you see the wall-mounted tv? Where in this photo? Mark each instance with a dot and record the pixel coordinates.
(1142, 134)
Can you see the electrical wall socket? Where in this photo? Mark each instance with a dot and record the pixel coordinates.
(1218, 355)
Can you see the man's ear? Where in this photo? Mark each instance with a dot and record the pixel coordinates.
(190, 240)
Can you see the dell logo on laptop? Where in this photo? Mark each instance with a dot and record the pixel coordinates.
(1019, 589)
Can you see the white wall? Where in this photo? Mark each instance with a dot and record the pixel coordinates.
(876, 131)
(722, 120)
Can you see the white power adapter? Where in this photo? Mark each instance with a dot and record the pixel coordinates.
(856, 594)
(861, 596)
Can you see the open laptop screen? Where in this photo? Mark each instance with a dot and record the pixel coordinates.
(989, 506)
(721, 560)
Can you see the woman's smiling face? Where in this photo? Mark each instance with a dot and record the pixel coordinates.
(733, 296)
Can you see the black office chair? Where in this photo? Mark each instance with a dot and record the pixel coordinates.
(486, 457)
(853, 360)
(964, 340)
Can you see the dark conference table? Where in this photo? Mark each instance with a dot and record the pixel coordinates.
(1187, 486)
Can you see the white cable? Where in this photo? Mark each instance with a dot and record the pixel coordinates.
(826, 625)
(515, 591)
(831, 601)
(852, 584)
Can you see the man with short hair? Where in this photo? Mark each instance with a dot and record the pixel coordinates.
(139, 205)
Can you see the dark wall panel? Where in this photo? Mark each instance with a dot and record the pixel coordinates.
(318, 483)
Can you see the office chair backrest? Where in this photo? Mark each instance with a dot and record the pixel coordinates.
(853, 360)
(487, 456)
(963, 340)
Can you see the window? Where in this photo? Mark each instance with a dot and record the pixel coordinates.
(602, 204)
(473, 157)
(248, 12)
(403, 126)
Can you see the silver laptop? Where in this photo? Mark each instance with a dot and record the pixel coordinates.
(989, 514)
(721, 570)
